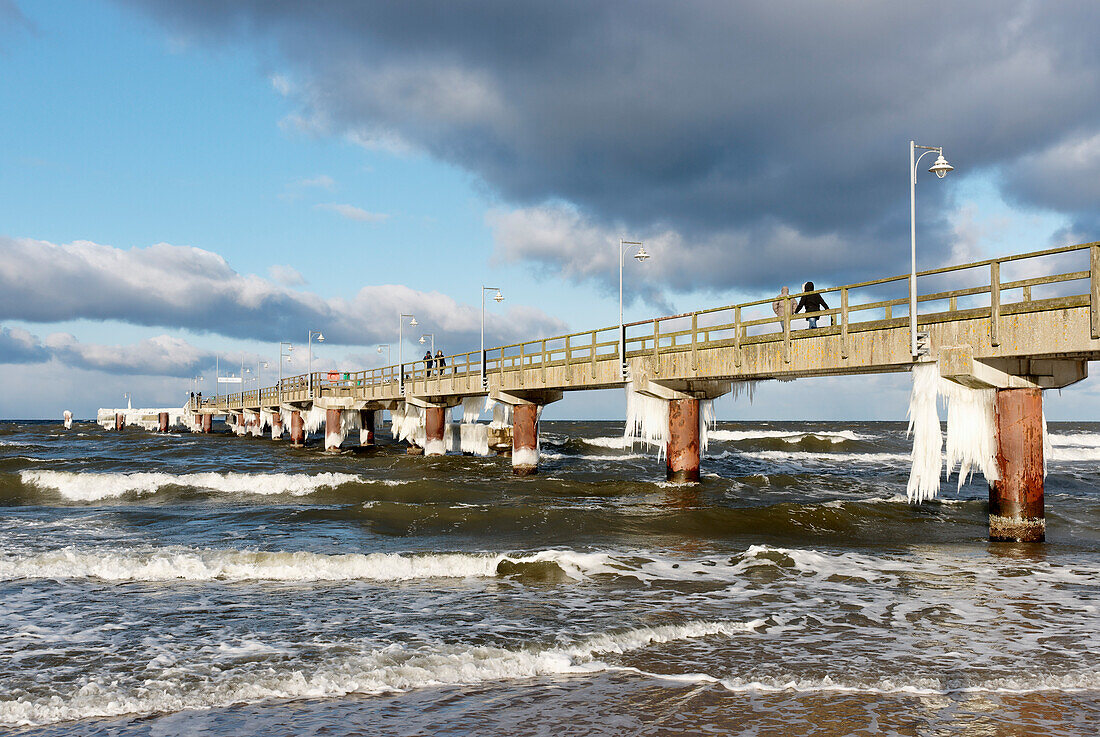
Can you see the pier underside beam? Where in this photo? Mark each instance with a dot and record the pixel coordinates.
(297, 429)
(682, 452)
(1016, 511)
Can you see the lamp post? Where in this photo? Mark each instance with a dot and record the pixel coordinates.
(285, 349)
(320, 339)
(498, 298)
(641, 255)
(940, 169)
(400, 352)
(387, 347)
(428, 335)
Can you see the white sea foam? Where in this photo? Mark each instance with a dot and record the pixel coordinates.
(838, 459)
(837, 436)
(186, 564)
(94, 486)
(390, 669)
(617, 443)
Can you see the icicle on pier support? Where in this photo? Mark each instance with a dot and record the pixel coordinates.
(1015, 325)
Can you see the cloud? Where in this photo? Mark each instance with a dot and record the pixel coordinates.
(19, 346)
(185, 287)
(288, 276)
(281, 84)
(351, 212)
(734, 126)
(322, 180)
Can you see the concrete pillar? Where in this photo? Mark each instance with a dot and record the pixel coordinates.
(683, 440)
(120, 421)
(332, 429)
(435, 425)
(276, 425)
(207, 423)
(1016, 501)
(297, 429)
(525, 439)
(366, 427)
(162, 422)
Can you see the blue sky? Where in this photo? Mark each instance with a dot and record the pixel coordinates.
(130, 125)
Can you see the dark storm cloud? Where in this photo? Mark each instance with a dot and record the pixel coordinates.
(756, 130)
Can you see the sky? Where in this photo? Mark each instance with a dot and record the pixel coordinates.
(185, 185)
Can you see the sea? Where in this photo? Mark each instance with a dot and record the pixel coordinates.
(185, 584)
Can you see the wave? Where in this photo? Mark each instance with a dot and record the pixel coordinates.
(184, 564)
(829, 458)
(613, 442)
(1079, 439)
(95, 486)
(391, 669)
(838, 436)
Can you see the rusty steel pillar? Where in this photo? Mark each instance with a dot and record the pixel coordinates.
(333, 436)
(682, 452)
(435, 426)
(1016, 501)
(162, 422)
(276, 425)
(525, 439)
(297, 429)
(366, 427)
(120, 421)
(207, 423)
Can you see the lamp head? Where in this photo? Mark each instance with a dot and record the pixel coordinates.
(641, 255)
(413, 322)
(379, 349)
(498, 297)
(421, 340)
(941, 167)
(320, 338)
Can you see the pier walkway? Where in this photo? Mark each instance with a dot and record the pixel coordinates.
(1018, 324)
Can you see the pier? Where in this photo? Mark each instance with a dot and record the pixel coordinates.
(1017, 325)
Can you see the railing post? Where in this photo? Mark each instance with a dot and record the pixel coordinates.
(656, 340)
(736, 336)
(522, 367)
(844, 322)
(1094, 292)
(786, 330)
(542, 361)
(568, 359)
(695, 341)
(995, 303)
(593, 354)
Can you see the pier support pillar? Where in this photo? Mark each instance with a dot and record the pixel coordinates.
(297, 429)
(435, 424)
(276, 425)
(162, 422)
(366, 427)
(332, 429)
(1016, 501)
(120, 421)
(525, 439)
(682, 452)
(207, 423)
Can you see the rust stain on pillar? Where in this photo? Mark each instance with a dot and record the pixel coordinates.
(332, 429)
(434, 428)
(162, 422)
(683, 440)
(366, 423)
(297, 429)
(207, 423)
(525, 439)
(119, 421)
(1016, 501)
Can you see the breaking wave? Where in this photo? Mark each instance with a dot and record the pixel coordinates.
(838, 436)
(390, 669)
(95, 486)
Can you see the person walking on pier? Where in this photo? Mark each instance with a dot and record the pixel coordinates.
(440, 362)
(428, 360)
(811, 303)
(782, 304)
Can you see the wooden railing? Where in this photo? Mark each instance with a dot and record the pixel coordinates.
(869, 305)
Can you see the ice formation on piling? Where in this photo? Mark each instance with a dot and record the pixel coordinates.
(646, 420)
(471, 435)
(472, 408)
(68, 416)
(924, 426)
(313, 420)
(706, 423)
(502, 414)
(971, 432)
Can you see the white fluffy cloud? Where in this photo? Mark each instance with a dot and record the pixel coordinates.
(351, 212)
(288, 276)
(184, 287)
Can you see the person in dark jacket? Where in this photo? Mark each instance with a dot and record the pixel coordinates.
(440, 362)
(811, 303)
(429, 361)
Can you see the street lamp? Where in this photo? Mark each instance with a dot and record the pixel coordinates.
(641, 255)
(194, 388)
(387, 347)
(400, 353)
(320, 339)
(289, 349)
(498, 298)
(428, 335)
(940, 169)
